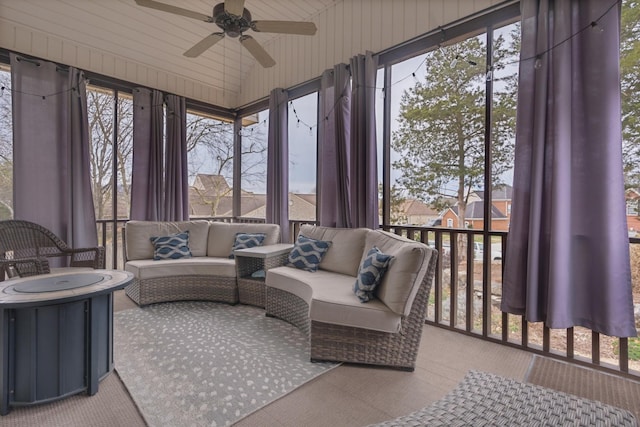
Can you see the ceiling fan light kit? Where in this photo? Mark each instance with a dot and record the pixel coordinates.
(233, 19)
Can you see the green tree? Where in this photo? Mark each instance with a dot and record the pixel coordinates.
(398, 216)
(442, 123)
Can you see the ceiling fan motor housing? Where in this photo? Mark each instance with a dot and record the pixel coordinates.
(232, 25)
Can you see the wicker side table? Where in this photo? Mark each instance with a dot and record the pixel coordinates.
(249, 261)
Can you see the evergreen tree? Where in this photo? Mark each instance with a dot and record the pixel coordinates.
(442, 123)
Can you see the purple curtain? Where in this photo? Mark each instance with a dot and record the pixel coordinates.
(51, 173)
(278, 163)
(176, 194)
(364, 167)
(334, 168)
(148, 156)
(568, 253)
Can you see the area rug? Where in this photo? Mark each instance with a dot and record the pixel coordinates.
(208, 364)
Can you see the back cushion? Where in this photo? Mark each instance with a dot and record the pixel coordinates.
(407, 270)
(222, 235)
(346, 249)
(138, 234)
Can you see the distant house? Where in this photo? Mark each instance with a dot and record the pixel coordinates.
(416, 212)
(632, 198)
(474, 213)
(474, 217)
(211, 195)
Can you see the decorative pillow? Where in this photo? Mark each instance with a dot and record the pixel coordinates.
(370, 273)
(173, 246)
(307, 253)
(247, 240)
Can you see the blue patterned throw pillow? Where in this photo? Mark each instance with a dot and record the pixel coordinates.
(173, 246)
(247, 240)
(307, 253)
(370, 273)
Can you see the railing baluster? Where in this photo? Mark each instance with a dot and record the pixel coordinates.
(595, 348)
(623, 354)
(570, 343)
(546, 339)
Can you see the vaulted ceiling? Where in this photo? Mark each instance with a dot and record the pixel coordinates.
(121, 39)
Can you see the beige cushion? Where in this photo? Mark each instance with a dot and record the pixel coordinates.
(223, 234)
(407, 270)
(346, 249)
(331, 299)
(200, 266)
(138, 234)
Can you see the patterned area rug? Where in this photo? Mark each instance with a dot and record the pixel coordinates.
(208, 364)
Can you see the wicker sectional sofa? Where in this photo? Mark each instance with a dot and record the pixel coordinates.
(209, 274)
(383, 331)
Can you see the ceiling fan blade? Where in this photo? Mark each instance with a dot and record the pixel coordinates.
(234, 7)
(174, 9)
(257, 51)
(285, 27)
(203, 45)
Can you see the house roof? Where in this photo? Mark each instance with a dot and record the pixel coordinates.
(475, 210)
(417, 207)
(499, 192)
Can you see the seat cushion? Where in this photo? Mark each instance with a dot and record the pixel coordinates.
(331, 299)
(346, 250)
(139, 233)
(199, 266)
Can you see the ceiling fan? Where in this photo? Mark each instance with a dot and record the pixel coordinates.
(234, 20)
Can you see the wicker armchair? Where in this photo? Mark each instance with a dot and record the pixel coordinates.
(26, 247)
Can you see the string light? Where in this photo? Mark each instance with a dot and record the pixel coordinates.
(538, 63)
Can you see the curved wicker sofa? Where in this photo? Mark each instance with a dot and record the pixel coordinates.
(384, 331)
(209, 275)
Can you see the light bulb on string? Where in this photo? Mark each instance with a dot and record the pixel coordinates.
(538, 63)
(595, 26)
(298, 124)
(310, 131)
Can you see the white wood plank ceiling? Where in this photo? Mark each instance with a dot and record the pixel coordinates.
(120, 39)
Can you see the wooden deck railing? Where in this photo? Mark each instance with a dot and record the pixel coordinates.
(466, 299)
(466, 295)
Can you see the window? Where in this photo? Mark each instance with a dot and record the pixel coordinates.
(450, 222)
(101, 104)
(253, 161)
(210, 158)
(303, 143)
(6, 145)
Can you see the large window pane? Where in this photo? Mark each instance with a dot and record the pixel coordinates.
(6, 145)
(254, 165)
(303, 142)
(210, 157)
